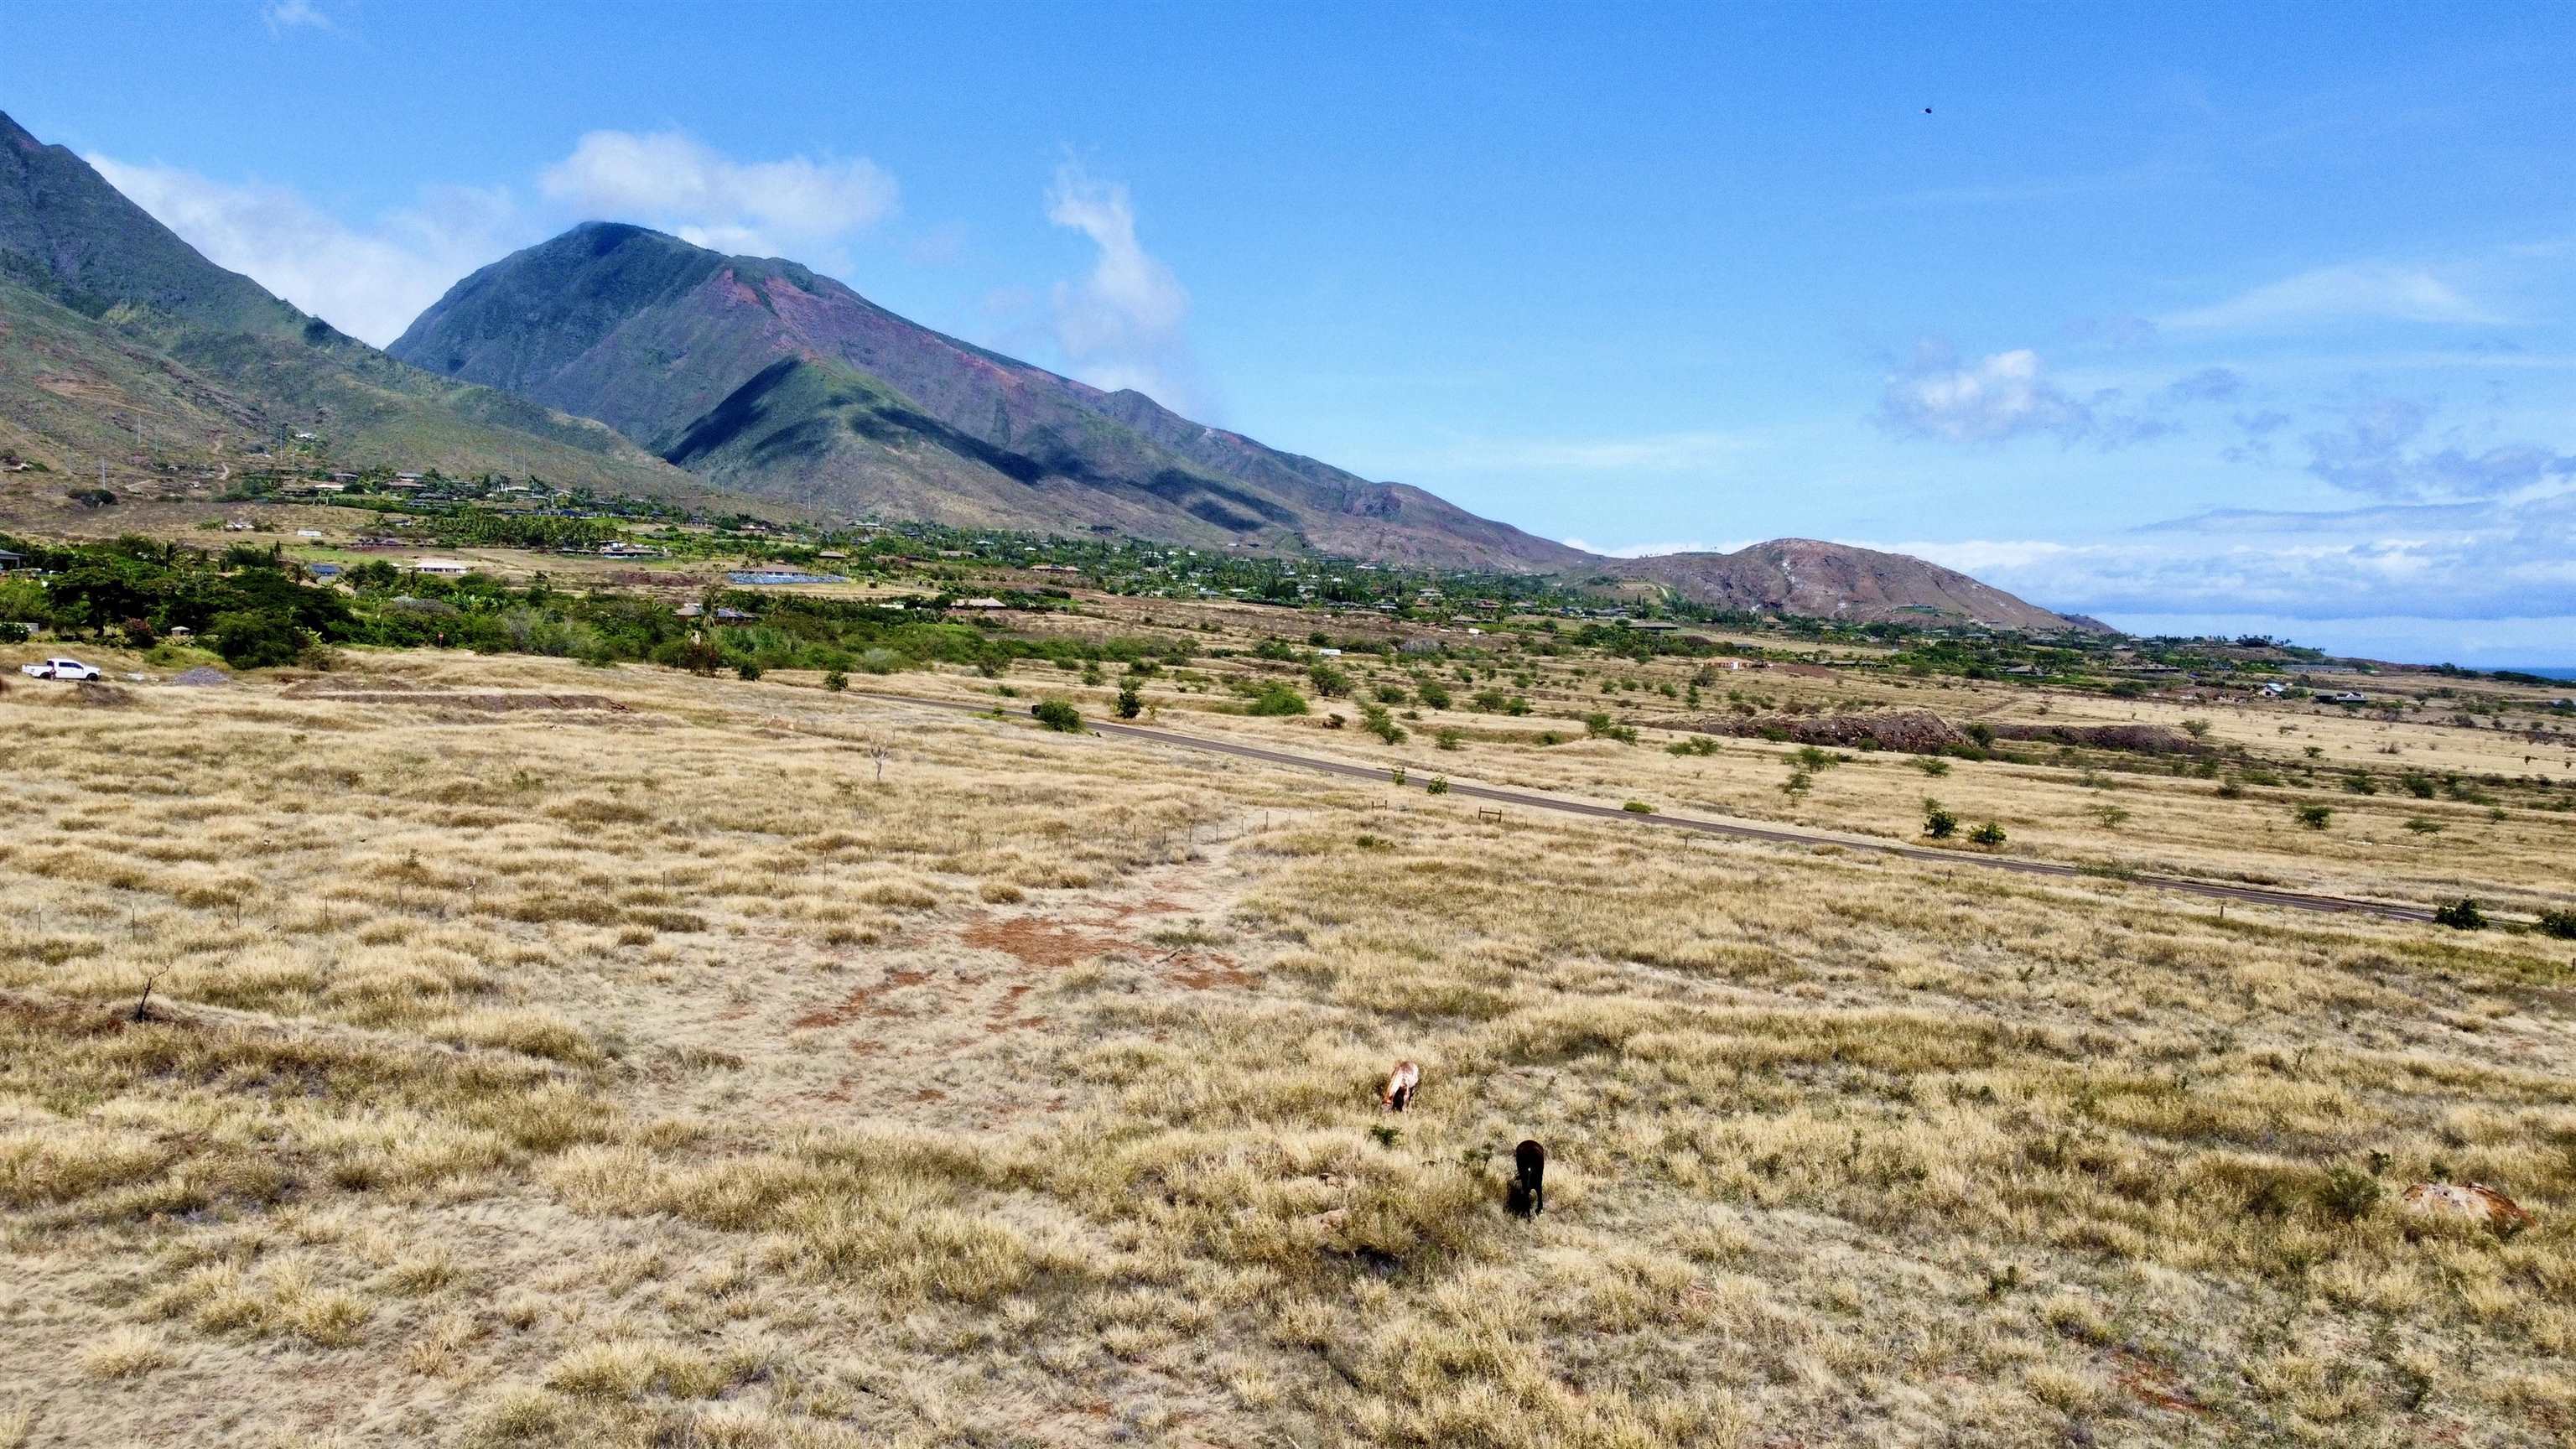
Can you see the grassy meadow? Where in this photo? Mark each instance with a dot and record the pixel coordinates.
(539, 1054)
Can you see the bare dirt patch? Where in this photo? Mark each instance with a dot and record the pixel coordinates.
(1035, 941)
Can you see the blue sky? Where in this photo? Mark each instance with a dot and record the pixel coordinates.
(2245, 318)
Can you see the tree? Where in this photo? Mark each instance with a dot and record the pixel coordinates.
(1938, 822)
(1989, 834)
(2196, 728)
(256, 640)
(1131, 703)
(1330, 682)
(1057, 715)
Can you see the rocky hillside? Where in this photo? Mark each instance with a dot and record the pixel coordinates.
(110, 318)
(1837, 581)
(769, 379)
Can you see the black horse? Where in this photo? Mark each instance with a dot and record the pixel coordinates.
(1528, 1197)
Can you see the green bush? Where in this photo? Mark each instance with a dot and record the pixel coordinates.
(1277, 698)
(1056, 714)
(254, 640)
(1447, 739)
(2460, 915)
(1989, 834)
(1439, 785)
(747, 670)
(2315, 817)
(1638, 807)
(1602, 727)
(1938, 822)
(2347, 1195)
(836, 681)
(2561, 924)
(1329, 681)
(1378, 722)
(1932, 765)
(1131, 703)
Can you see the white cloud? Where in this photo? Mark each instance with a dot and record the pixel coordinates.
(1647, 453)
(284, 15)
(2492, 559)
(2354, 291)
(2000, 396)
(668, 179)
(2376, 452)
(369, 282)
(1657, 550)
(1120, 325)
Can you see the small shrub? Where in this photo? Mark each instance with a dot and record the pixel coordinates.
(748, 669)
(1938, 822)
(2315, 817)
(2231, 789)
(2347, 1195)
(836, 681)
(1395, 775)
(1932, 765)
(2460, 915)
(1981, 732)
(1057, 715)
(1277, 698)
(1798, 784)
(1131, 703)
(1989, 834)
(1638, 807)
(1439, 785)
(2422, 826)
(2561, 924)
(1602, 727)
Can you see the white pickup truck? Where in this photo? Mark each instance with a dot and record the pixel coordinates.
(70, 669)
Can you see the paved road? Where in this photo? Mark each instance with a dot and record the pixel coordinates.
(2258, 895)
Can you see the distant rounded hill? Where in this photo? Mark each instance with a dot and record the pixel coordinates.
(768, 379)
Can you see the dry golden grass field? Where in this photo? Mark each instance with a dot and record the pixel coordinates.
(548, 1055)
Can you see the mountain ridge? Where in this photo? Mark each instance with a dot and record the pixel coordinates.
(680, 348)
(769, 378)
(136, 326)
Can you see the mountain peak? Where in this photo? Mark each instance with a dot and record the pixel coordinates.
(808, 393)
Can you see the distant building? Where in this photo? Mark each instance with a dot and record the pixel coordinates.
(442, 567)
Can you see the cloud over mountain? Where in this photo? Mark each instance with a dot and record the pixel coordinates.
(1119, 326)
(669, 179)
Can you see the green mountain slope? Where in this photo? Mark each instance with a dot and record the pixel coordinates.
(770, 379)
(113, 317)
